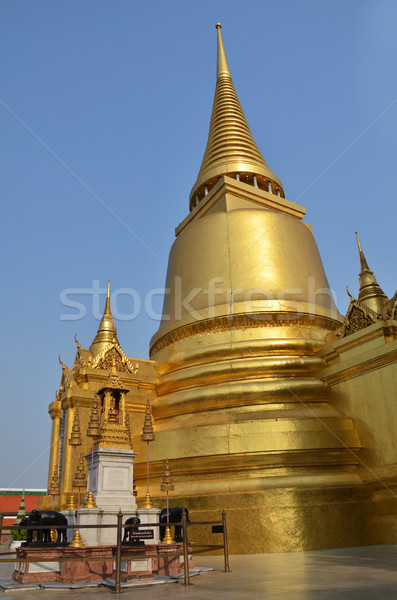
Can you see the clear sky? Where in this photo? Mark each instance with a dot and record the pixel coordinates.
(104, 115)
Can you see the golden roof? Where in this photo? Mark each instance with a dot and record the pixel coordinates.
(370, 294)
(231, 149)
(107, 332)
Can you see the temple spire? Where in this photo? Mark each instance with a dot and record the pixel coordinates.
(222, 64)
(370, 294)
(106, 332)
(363, 260)
(107, 311)
(231, 149)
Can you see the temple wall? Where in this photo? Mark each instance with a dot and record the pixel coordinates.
(362, 374)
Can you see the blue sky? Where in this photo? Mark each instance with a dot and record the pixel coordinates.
(108, 103)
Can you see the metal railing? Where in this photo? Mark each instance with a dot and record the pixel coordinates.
(217, 527)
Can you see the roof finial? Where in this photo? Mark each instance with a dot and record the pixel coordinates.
(107, 304)
(370, 294)
(222, 65)
(363, 261)
(106, 331)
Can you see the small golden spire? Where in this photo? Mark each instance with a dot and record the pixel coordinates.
(54, 484)
(230, 149)
(72, 503)
(148, 431)
(89, 502)
(76, 542)
(147, 436)
(80, 480)
(75, 437)
(128, 426)
(370, 294)
(106, 331)
(94, 426)
(167, 485)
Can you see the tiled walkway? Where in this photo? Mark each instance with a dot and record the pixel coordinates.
(349, 573)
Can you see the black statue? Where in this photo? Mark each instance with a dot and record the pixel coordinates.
(39, 518)
(175, 516)
(134, 522)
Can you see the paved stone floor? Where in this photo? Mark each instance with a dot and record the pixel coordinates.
(349, 573)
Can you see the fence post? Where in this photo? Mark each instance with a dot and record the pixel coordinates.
(185, 548)
(117, 587)
(225, 548)
(1, 524)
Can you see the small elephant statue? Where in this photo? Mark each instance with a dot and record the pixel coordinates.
(175, 516)
(134, 522)
(51, 518)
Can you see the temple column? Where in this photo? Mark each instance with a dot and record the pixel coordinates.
(54, 409)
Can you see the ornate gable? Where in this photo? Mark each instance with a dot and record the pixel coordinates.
(113, 356)
(358, 317)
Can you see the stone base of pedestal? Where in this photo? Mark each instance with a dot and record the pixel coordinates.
(97, 563)
(150, 515)
(170, 565)
(97, 516)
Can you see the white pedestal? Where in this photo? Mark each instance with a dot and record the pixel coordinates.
(112, 482)
(97, 516)
(90, 516)
(112, 479)
(150, 515)
(71, 517)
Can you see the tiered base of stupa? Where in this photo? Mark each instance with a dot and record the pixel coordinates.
(248, 428)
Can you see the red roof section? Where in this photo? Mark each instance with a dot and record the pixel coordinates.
(10, 503)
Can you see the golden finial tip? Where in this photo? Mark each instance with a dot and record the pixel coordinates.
(218, 26)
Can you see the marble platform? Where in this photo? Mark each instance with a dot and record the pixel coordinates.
(97, 563)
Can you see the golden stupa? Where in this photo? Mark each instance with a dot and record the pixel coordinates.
(240, 409)
(257, 384)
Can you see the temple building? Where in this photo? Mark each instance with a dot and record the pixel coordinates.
(266, 401)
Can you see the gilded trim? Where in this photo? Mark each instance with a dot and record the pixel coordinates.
(364, 367)
(243, 321)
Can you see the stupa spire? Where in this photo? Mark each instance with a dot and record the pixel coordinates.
(231, 149)
(106, 330)
(363, 260)
(222, 64)
(370, 294)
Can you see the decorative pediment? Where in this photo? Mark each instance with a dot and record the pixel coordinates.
(358, 317)
(113, 356)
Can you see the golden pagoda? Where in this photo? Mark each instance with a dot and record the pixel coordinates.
(267, 402)
(241, 411)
